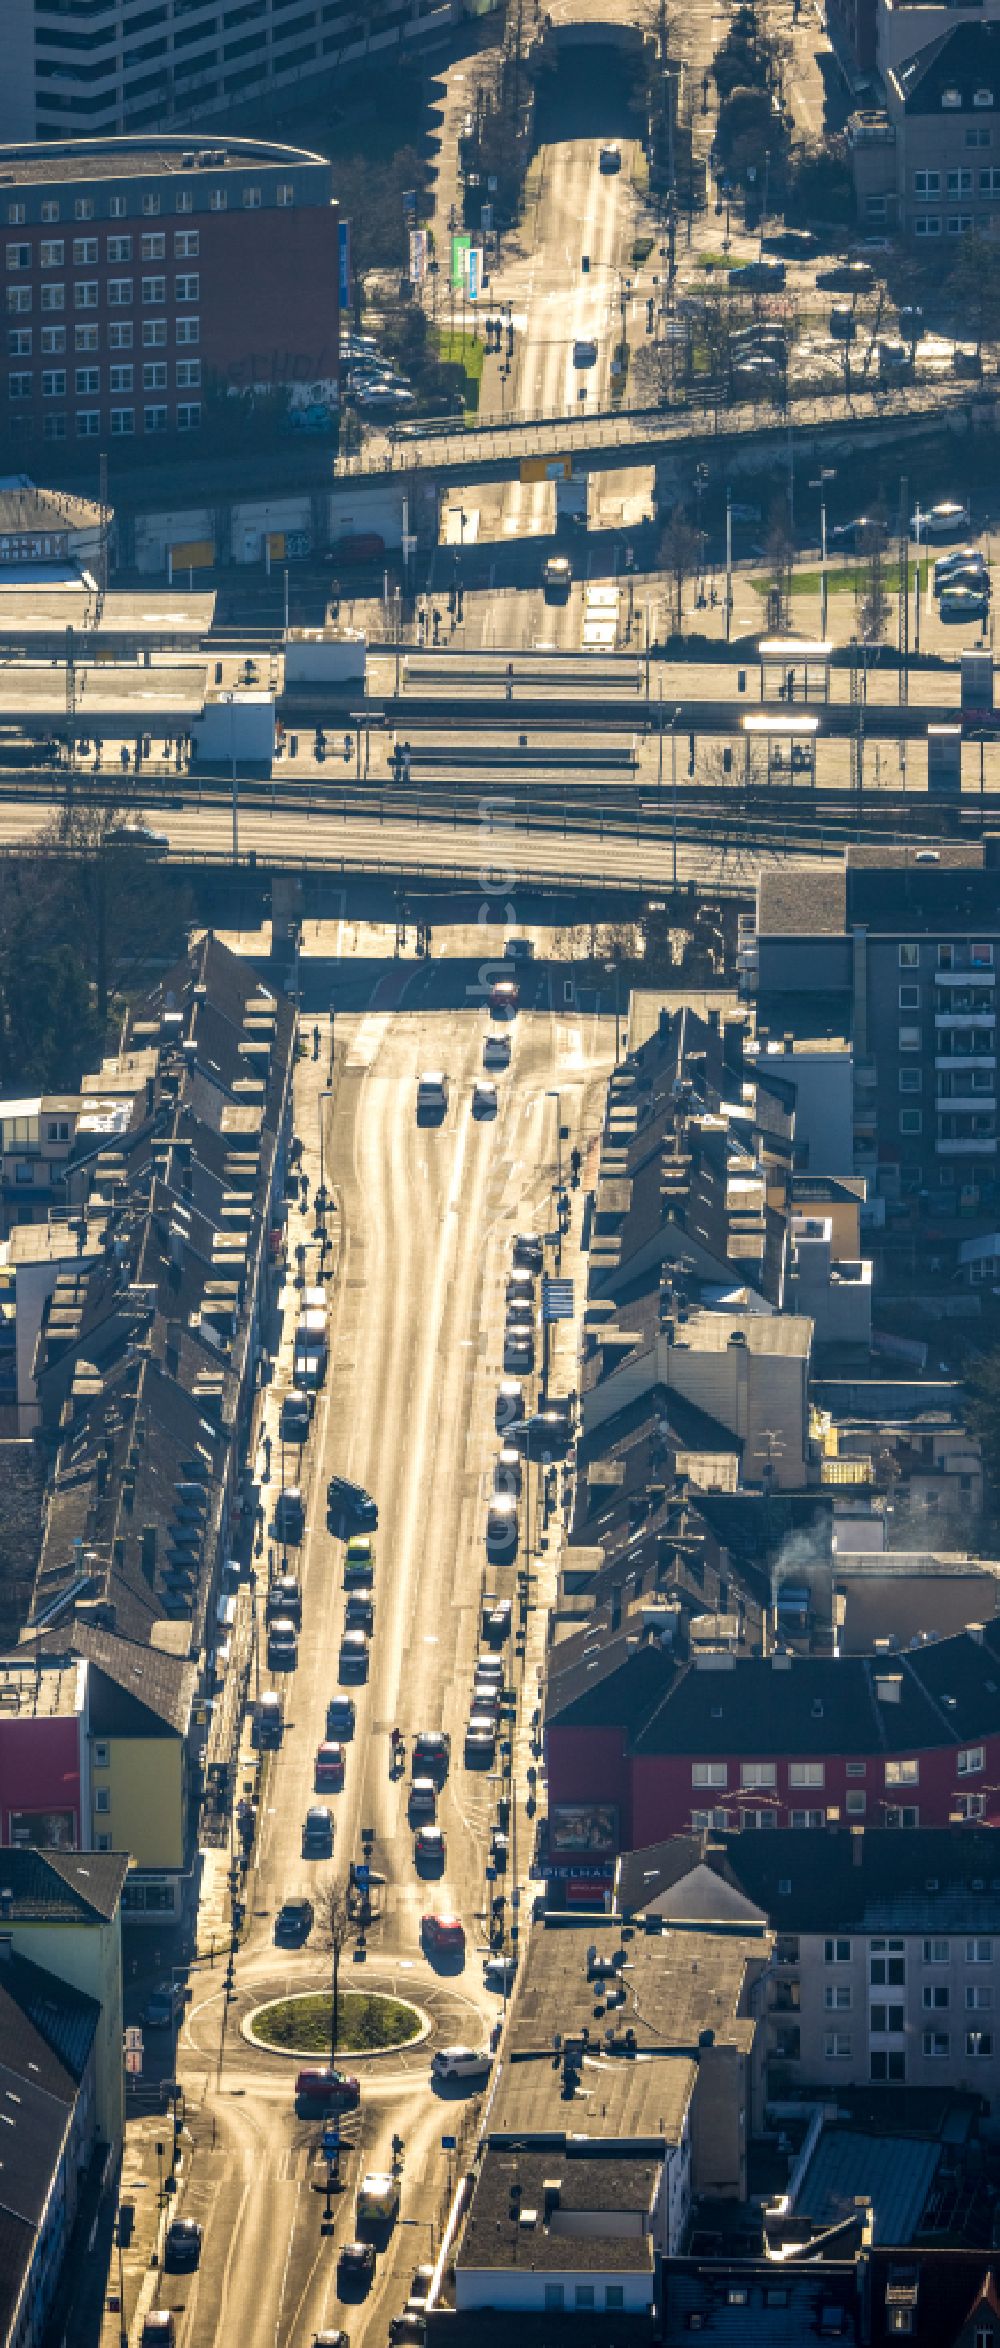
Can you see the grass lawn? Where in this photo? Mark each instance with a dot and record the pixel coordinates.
(368, 2022)
(465, 351)
(641, 250)
(843, 582)
(724, 261)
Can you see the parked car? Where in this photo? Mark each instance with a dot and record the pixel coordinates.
(940, 521)
(609, 160)
(159, 2329)
(282, 1644)
(268, 1722)
(584, 351)
(962, 558)
(557, 576)
(528, 1250)
(182, 2246)
(496, 1051)
(284, 1598)
(296, 1417)
(497, 1622)
(351, 1504)
(509, 1406)
(289, 1515)
(164, 2006)
(502, 1527)
(964, 603)
(294, 1921)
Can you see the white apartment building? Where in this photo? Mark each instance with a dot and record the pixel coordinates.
(89, 68)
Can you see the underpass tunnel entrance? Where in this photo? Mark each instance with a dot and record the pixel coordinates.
(589, 84)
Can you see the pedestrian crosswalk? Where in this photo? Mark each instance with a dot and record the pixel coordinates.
(600, 617)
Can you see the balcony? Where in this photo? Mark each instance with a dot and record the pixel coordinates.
(960, 973)
(957, 1062)
(950, 1104)
(964, 1012)
(971, 1145)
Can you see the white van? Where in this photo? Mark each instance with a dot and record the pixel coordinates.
(432, 1090)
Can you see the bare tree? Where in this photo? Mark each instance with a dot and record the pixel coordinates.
(780, 556)
(679, 552)
(872, 600)
(334, 1931)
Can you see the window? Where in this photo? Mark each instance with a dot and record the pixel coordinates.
(757, 1776)
(583, 2295)
(15, 215)
(970, 1761)
(122, 423)
(18, 300)
(188, 330)
(119, 248)
(189, 416)
(121, 378)
(911, 1079)
(251, 199)
(188, 374)
(887, 1972)
(50, 209)
(808, 1818)
(837, 1997)
(837, 1952)
(856, 1804)
(88, 423)
(959, 223)
(737, 2295)
(88, 381)
(614, 2295)
(286, 192)
(154, 334)
(906, 1816)
(937, 1952)
(837, 2046)
(154, 291)
(979, 1997)
(102, 1842)
(951, 97)
(119, 292)
(150, 206)
(186, 243)
(936, 1996)
(86, 338)
(979, 1952)
(155, 419)
(83, 208)
(806, 1773)
(911, 1120)
(902, 1772)
(972, 1805)
(554, 2295)
(53, 341)
(53, 383)
(102, 1799)
(984, 2337)
(884, 2019)
(53, 297)
(701, 1820)
(909, 1039)
(85, 293)
(85, 252)
(118, 207)
(19, 386)
(154, 375)
(19, 342)
(926, 183)
(982, 98)
(856, 1768)
(909, 998)
(979, 2044)
(901, 2318)
(978, 137)
(218, 200)
(709, 1773)
(154, 248)
(186, 289)
(883, 2065)
(960, 183)
(937, 2045)
(120, 335)
(19, 256)
(51, 253)
(927, 224)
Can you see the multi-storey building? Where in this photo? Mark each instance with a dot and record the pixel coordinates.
(142, 277)
(105, 66)
(927, 163)
(905, 955)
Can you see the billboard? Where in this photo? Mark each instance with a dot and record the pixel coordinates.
(583, 1830)
(460, 247)
(418, 255)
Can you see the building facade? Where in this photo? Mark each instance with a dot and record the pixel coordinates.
(143, 277)
(105, 69)
(928, 164)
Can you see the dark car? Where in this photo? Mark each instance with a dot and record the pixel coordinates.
(284, 1598)
(360, 1611)
(340, 1717)
(332, 2090)
(268, 1723)
(317, 1831)
(528, 1250)
(356, 2265)
(295, 1418)
(182, 2247)
(443, 1935)
(289, 1515)
(410, 2326)
(546, 1434)
(846, 277)
(349, 1503)
(431, 1753)
(294, 1922)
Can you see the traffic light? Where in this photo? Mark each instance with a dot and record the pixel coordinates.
(510, 338)
(727, 760)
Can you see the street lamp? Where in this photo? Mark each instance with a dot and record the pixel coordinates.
(673, 794)
(826, 473)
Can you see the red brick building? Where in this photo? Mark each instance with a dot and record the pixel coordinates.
(145, 276)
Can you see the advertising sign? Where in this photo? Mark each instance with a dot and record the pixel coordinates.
(584, 1829)
(418, 255)
(460, 246)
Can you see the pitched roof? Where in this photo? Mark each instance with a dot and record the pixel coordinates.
(861, 1879)
(133, 1687)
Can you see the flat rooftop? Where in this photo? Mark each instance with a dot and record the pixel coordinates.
(110, 692)
(54, 1692)
(124, 158)
(27, 610)
(560, 2201)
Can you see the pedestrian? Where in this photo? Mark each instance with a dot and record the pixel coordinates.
(305, 1190)
(316, 1042)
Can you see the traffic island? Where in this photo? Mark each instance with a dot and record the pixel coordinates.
(370, 2022)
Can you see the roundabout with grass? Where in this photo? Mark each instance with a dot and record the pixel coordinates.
(370, 2022)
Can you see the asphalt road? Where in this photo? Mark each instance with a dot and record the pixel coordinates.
(424, 1217)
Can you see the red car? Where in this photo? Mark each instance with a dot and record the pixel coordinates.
(335, 2090)
(444, 1934)
(329, 1767)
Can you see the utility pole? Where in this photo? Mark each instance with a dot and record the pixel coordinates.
(904, 594)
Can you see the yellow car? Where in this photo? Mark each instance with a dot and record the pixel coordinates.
(359, 1562)
(378, 2198)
